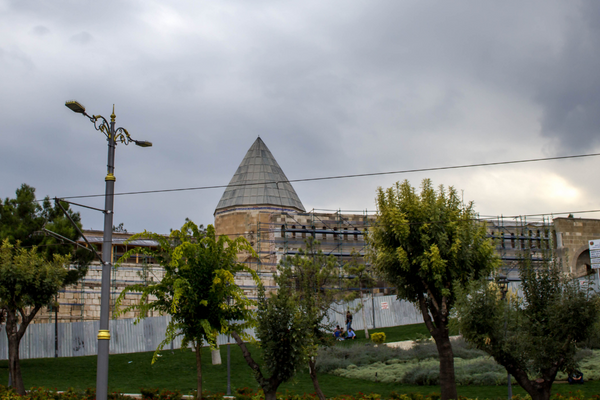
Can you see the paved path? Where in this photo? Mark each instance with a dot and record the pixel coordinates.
(408, 344)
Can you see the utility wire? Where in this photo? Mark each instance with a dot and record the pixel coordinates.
(406, 171)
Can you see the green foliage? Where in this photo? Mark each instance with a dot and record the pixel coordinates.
(198, 282)
(378, 337)
(424, 243)
(28, 282)
(536, 336)
(309, 277)
(282, 330)
(27, 279)
(22, 218)
(593, 340)
(365, 354)
(359, 276)
(198, 288)
(157, 394)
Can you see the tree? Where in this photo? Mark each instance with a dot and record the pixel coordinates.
(22, 218)
(28, 282)
(198, 289)
(34, 266)
(359, 276)
(283, 331)
(533, 337)
(309, 277)
(424, 244)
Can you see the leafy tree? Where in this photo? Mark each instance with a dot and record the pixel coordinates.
(533, 337)
(283, 331)
(360, 276)
(28, 282)
(22, 218)
(199, 280)
(119, 228)
(309, 277)
(424, 244)
(34, 266)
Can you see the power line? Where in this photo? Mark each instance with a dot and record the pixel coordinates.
(407, 171)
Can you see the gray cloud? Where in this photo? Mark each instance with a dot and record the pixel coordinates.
(82, 38)
(333, 88)
(41, 30)
(570, 92)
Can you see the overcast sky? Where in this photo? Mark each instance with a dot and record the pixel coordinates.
(332, 88)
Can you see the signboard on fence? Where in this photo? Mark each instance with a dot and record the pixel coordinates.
(595, 253)
(384, 305)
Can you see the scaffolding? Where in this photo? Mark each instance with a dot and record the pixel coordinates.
(514, 237)
(340, 234)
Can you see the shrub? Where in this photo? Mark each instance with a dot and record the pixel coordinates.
(378, 337)
(149, 394)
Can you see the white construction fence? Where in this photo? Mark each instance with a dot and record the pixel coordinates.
(79, 338)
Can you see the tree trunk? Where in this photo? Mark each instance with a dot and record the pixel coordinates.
(199, 369)
(14, 340)
(440, 334)
(271, 394)
(269, 386)
(362, 305)
(447, 377)
(313, 376)
(537, 390)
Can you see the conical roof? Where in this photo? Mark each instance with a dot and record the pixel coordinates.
(259, 180)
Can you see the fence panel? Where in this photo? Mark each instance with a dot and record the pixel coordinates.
(80, 338)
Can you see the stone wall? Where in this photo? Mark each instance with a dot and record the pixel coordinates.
(572, 241)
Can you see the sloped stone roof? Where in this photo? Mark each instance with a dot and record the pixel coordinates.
(259, 180)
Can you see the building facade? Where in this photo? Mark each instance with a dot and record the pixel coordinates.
(261, 205)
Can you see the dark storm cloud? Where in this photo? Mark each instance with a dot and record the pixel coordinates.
(570, 92)
(333, 88)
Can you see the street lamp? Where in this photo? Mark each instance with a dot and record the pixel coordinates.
(113, 136)
(502, 282)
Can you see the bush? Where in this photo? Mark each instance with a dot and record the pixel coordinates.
(157, 394)
(378, 337)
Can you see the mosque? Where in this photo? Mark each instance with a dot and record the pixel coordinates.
(261, 205)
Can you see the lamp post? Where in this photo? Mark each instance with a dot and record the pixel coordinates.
(502, 282)
(228, 356)
(113, 136)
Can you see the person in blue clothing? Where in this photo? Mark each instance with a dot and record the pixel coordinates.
(337, 334)
(575, 377)
(351, 334)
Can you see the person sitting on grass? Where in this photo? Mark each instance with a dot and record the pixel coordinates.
(351, 334)
(576, 377)
(337, 334)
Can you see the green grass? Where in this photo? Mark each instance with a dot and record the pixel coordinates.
(130, 372)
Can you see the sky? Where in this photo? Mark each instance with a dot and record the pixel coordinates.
(331, 87)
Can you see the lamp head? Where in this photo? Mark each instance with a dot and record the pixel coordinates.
(502, 281)
(75, 106)
(143, 143)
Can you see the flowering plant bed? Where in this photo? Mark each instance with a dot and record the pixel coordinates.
(245, 393)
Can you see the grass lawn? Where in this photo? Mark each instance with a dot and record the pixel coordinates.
(130, 372)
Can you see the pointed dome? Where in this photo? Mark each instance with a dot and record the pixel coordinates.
(259, 180)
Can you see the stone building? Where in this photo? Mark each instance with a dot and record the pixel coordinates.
(572, 242)
(261, 205)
